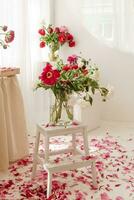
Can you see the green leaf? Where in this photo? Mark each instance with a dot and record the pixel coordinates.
(93, 90)
(90, 100)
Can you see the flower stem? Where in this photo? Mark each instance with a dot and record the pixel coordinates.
(69, 114)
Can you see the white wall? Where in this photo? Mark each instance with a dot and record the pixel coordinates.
(117, 67)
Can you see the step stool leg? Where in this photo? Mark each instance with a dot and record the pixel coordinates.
(74, 143)
(46, 147)
(94, 173)
(49, 184)
(85, 140)
(35, 153)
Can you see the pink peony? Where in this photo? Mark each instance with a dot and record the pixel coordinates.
(63, 29)
(72, 59)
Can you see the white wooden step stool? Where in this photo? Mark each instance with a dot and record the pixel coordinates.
(75, 163)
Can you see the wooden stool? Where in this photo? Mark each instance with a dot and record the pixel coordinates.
(77, 162)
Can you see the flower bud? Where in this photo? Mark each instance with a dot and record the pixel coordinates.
(4, 28)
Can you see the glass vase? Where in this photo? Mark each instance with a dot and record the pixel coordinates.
(53, 55)
(61, 112)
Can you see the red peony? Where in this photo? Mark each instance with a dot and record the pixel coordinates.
(49, 76)
(41, 31)
(42, 44)
(66, 68)
(71, 43)
(70, 37)
(9, 37)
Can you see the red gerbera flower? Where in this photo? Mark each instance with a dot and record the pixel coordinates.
(49, 76)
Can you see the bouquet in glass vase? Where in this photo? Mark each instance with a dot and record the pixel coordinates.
(54, 38)
(6, 36)
(76, 76)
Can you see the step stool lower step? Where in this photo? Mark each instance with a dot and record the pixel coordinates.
(74, 163)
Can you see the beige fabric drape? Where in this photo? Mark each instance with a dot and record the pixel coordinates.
(13, 132)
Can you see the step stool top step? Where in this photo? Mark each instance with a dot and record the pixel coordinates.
(59, 127)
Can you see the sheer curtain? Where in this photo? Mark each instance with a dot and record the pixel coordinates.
(25, 17)
(111, 21)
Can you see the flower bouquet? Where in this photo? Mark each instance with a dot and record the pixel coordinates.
(78, 76)
(7, 36)
(54, 38)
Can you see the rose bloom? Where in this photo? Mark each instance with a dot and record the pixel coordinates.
(49, 76)
(74, 67)
(71, 43)
(57, 30)
(42, 44)
(66, 68)
(41, 31)
(50, 30)
(62, 38)
(70, 37)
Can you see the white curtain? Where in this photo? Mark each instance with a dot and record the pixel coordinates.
(25, 17)
(111, 21)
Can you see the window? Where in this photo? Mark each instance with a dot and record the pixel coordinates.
(111, 21)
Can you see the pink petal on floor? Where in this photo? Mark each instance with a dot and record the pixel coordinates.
(104, 196)
(119, 198)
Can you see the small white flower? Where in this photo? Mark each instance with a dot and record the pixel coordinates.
(110, 91)
(83, 103)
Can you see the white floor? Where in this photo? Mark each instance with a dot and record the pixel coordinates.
(124, 133)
